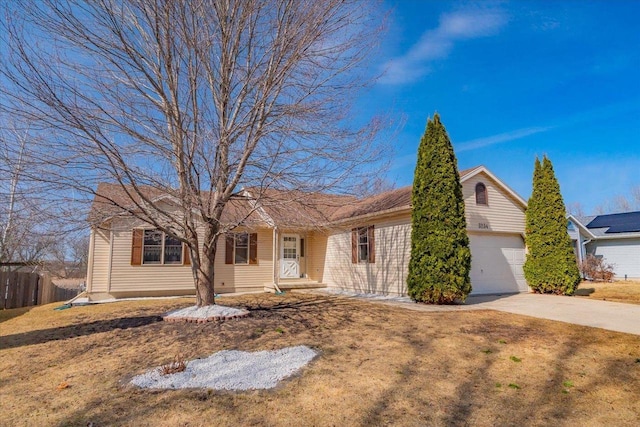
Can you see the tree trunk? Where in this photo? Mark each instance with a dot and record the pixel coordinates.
(205, 292)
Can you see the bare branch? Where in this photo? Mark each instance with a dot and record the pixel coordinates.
(194, 100)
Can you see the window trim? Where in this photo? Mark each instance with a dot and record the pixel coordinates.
(236, 246)
(485, 193)
(183, 250)
(363, 244)
(251, 247)
(356, 245)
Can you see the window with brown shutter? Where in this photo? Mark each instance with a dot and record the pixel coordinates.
(363, 245)
(354, 246)
(241, 248)
(186, 256)
(372, 244)
(136, 247)
(228, 248)
(155, 247)
(253, 248)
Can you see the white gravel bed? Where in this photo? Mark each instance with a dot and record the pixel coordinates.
(232, 370)
(206, 312)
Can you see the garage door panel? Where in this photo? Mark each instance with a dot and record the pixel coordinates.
(496, 264)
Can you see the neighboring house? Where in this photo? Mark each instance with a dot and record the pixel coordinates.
(341, 242)
(614, 237)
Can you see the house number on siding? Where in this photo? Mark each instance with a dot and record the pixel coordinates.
(483, 226)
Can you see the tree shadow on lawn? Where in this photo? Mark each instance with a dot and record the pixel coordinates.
(10, 313)
(72, 331)
(542, 400)
(584, 292)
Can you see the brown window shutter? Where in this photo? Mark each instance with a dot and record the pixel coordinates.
(228, 249)
(186, 258)
(253, 248)
(354, 246)
(372, 244)
(136, 247)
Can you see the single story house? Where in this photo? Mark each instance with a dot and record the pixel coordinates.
(614, 237)
(340, 242)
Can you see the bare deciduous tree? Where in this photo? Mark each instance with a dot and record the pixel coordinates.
(25, 234)
(575, 209)
(621, 203)
(196, 99)
(34, 229)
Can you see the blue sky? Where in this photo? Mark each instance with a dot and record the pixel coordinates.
(515, 80)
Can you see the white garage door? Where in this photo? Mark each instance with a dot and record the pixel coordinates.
(496, 264)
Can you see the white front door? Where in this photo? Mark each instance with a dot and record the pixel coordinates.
(290, 256)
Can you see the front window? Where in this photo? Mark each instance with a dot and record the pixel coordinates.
(172, 250)
(363, 244)
(241, 248)
(160, 248)
(152, 252)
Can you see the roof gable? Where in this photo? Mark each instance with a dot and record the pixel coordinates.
(470, 173)
(399, 199)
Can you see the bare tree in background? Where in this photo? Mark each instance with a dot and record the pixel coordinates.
(195, 99)
(621, 203)
(68, 257)
(26, 232)
(575, 209)
(34, 229)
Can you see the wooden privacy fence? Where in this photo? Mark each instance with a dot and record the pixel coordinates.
(19, 289)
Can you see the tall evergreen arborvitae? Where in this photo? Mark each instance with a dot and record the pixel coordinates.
(551, 265)
(440, 255)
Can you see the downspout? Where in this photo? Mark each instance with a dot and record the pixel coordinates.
(92, 245)
(584, 244)
(275, 260)
(110, 259)
(583, 248)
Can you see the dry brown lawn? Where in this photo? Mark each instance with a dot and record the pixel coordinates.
(620, 291)
(378, 365)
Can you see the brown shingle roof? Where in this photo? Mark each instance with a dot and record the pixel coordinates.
(115, 199)
(398, 198)
(293, 209)
(299, 209)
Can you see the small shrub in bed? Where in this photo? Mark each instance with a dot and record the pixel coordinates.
(177, 365)
(594, 268)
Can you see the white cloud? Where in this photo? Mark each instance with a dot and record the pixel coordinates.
(437, 43)
(499, 138)
(409, 160)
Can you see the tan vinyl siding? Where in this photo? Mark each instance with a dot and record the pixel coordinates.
(239, 278)
(316, 255)
(165, 278)
(502, 214)
(100, 268)
(387, 275)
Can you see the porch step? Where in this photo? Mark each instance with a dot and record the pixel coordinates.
(290, 284)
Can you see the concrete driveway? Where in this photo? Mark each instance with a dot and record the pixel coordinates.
(613, 316)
